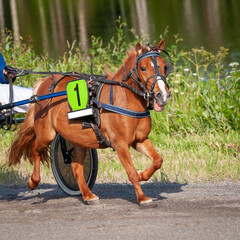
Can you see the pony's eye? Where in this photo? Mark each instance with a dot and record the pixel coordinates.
(143, 69)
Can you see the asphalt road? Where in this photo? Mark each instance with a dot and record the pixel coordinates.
(194, 211)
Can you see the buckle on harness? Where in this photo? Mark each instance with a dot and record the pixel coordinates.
(147, 98)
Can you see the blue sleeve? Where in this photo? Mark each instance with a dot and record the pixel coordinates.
(2, 66)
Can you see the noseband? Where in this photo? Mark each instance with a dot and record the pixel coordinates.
(152, 54)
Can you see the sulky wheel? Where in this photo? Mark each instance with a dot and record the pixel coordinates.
(61, 155)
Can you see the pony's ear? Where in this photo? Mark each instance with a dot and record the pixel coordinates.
(161, 44)
(139, 48)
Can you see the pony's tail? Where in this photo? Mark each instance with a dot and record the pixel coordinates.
(23, 144)
(24, 140)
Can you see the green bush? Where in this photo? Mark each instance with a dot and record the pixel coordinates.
(205, 94)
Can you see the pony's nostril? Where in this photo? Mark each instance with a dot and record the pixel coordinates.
(162, 98)
(158, 96)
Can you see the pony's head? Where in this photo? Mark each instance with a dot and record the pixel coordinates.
(151, 72)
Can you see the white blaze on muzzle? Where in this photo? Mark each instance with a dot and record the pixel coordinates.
(162, 87)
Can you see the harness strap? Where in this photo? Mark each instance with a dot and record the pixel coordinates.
(102, 140)
(121, 110)
(124, 73)
(111, 93)
(138, 92)
(148, 54)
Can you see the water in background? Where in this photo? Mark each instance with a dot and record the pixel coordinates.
(50, 24)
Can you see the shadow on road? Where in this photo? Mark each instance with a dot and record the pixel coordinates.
(47, 192)
(127, 192)
(20, 193)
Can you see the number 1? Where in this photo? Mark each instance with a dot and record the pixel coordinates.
(78, 97)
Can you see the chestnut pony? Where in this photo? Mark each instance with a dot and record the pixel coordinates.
(146, 71)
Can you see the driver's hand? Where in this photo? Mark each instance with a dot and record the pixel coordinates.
(12, 75)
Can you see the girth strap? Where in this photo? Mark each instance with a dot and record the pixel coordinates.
(121, 110)
(102, 140)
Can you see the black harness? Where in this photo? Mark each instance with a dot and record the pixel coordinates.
(152, 54)
(133, 74)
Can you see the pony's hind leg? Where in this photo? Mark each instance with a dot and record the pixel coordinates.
(34, 180)
(78, 171)
(148, 150)
(39, 154)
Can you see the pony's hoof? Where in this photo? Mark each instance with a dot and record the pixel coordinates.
(29, 188)
(146, 201)
(31, 185)
(93, 201)
(140, 175)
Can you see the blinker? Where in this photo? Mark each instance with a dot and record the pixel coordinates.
(169, 67)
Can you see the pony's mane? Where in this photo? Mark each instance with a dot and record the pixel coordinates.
(37, 84)
(131, 54)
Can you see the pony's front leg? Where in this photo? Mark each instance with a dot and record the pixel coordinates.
(78, 171)
(148, 150)
(125, 158)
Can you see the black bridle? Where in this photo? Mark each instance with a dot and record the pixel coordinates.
(152, 54)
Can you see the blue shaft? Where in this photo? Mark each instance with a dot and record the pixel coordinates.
(42, 97)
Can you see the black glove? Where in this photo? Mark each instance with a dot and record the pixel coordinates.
(12, 73)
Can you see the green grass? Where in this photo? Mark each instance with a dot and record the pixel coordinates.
(198, 134)
(190, 158)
